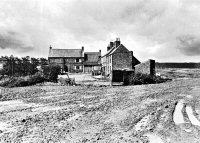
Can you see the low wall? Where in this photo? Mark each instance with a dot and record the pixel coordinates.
(147, 67)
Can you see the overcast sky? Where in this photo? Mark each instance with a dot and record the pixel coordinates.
(164, 30)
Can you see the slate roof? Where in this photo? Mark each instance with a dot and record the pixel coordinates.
(91, 58)
(111, 50)
(121, 45)
(65, 53)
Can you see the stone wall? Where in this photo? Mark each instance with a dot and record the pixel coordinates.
(68, 64)
(122, 61)
(147, 67)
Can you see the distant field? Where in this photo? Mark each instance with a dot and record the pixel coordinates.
(175, 73)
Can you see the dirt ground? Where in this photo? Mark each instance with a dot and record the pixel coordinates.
(156, 113)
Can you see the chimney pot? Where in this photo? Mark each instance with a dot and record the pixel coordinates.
(117, 42)
(50, 47)
(82, 48)
(118, 39)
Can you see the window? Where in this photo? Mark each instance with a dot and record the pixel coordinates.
(77, 67)
(77, 60)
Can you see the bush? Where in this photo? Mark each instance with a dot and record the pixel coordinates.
(37, 78)
(8, 82)
(21, 81)
(51, 72)
(140, 78)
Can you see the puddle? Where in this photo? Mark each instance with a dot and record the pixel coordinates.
(178, 116)
(154, 138)
(191, 116)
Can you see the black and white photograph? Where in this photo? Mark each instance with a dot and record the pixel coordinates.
(99, 71)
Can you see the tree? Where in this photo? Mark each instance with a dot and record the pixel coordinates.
(34, 64)
(51, 72)
(25, 66)
(18, 67)
(43, 62)
(9, 66)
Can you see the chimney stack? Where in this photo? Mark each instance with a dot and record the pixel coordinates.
(108, 48)
(117, 42)
(111, 44)
(82, 51)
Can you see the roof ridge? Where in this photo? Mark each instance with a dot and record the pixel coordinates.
(66, 49)
(92, 52)
(113, 48)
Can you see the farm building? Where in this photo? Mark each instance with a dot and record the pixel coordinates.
(92, 61)
(75, 60)
(118, 57)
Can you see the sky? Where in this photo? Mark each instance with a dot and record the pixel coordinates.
(163, 30)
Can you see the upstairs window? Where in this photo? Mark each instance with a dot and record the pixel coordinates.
(77, 60)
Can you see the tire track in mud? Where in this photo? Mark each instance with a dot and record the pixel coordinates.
(179, 123)
(190, 122)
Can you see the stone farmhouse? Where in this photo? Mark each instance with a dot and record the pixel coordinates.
(118, 57)
(75, 60)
